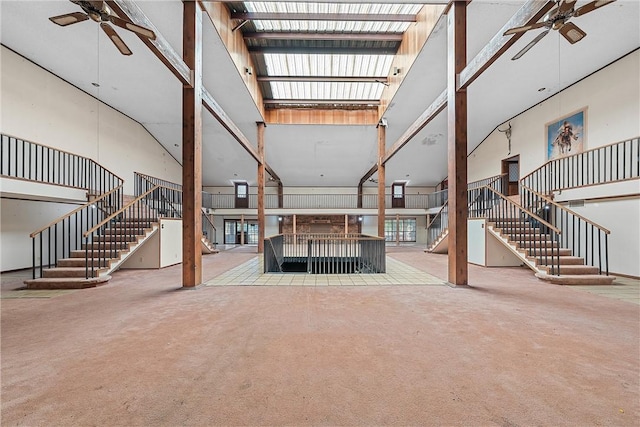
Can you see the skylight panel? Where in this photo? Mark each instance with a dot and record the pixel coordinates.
(295, 64)
(334, 8)
(326, 90)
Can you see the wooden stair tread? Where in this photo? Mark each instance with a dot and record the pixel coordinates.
(66, 282)
(577, 280)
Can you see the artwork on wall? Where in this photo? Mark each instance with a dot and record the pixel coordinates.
(567, 135)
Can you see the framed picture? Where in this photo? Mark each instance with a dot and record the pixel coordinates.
(567, 135)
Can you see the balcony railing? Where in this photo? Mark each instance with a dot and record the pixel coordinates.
(30, 161)
(324, 254)
(325, 201)
(611, 163)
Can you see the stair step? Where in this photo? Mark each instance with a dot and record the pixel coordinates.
(66, 272)
(66, 282)
(568, 260)
(582, 279)
(115, 237)
(106, 245)
(574, 269)
(95, 254)
(80, 262)
(540, 252)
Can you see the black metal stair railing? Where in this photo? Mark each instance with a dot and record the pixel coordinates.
(615, 162)
(115, 234)
(528, 232)
(58, 239)
(585, 238)
(35, 162)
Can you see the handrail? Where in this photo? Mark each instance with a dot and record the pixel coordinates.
(159, 181)
(62, 218)
(437, 214)
(564, 208)
(578, 154)
(526, 211)
(601, 165)
(209, 219)
(123, 209)
(31, 161)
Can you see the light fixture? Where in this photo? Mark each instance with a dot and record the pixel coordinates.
(248, 71)
(542, 89)
(95, 84)
(360, 218)
(396, 71)
(280, 219)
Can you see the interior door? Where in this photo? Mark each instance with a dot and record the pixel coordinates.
(397, 195)
(511, 167)
(242, 195)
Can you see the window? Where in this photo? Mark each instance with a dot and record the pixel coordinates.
(402, 230)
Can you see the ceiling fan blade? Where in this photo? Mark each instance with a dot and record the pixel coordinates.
(68, 18)
(141, 31)
(590, 7)
(565, 6)
(525, 28)
(530, 45)
(572, 33)
(115, 38)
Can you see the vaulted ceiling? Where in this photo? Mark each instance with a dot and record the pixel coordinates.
(316, 155)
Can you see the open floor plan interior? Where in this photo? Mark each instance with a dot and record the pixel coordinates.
(390, 212)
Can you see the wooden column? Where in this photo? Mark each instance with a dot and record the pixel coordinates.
(261, 184)
(242, 230)
(457, 129)
(397, 229)
(192, 148)
(382, 141)
(346, 225)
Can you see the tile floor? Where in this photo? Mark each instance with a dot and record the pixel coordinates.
(623, 288)
(250, 273)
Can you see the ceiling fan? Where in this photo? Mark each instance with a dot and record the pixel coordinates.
(557, 19)
(100, 12)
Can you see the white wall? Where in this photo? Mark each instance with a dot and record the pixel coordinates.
(39, 107)
(20, 218)
(612, 98)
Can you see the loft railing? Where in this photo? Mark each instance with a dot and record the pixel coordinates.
(107, 239)
(584, 237)
(531, 233)
(59, 238)
(325, 253)
(326, 201)
(614, 162)
(30, 161)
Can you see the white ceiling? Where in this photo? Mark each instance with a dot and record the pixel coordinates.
(141, 87)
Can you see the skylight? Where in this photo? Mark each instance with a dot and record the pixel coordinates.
(334, 8)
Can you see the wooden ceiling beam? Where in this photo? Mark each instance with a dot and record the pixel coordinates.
(532, 11)
(278, 35)
(160, 46)
(325, 50)
(367, 102)
(216, 110)
(341, 79)
(429, 114)
(361, 17)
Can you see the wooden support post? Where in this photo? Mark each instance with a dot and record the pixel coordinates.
(192, 148)
(397, 229)
(382, 142)
(242, 230)
(457, 129)
(346, 225)
(261, 184)
(280, 195)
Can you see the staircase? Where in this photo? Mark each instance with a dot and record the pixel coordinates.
(93, 264)
(539, 244)
(543, 255)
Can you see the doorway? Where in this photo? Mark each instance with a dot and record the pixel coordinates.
(233, 232)
(511, 168)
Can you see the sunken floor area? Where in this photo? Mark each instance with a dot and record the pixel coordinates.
(509, 351)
